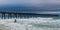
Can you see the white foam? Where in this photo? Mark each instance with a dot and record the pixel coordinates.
(27, 24)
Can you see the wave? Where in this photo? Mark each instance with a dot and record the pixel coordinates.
(34, 23)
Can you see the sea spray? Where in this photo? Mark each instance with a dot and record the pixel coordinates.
(33, 23)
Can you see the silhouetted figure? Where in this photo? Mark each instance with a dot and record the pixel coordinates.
(15, 21)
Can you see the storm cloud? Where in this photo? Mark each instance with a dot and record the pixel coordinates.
(38, 4)
(31, 2)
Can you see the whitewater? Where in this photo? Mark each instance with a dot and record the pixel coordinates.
(38, 23)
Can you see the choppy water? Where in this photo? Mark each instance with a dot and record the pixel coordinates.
(40, 23)
(37, 23)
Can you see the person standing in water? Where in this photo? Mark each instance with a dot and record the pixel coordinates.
(15, 21)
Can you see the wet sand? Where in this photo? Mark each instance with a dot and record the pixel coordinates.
(3, 27)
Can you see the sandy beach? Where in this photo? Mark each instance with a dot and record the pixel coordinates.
(3, 27)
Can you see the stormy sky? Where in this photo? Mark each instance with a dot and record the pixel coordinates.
(38, 4)
(31, 2)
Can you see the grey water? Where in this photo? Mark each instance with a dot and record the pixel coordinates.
(37, 23)
(40, 23)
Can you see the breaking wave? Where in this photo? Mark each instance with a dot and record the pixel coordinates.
(33, 23)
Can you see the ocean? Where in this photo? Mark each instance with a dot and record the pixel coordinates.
(34, 23)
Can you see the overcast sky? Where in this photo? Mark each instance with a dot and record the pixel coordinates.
(37, 3)
(31, 2)
(47, 4)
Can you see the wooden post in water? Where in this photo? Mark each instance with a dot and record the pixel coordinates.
(9, 15)
(16, 15)
(3, 15)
